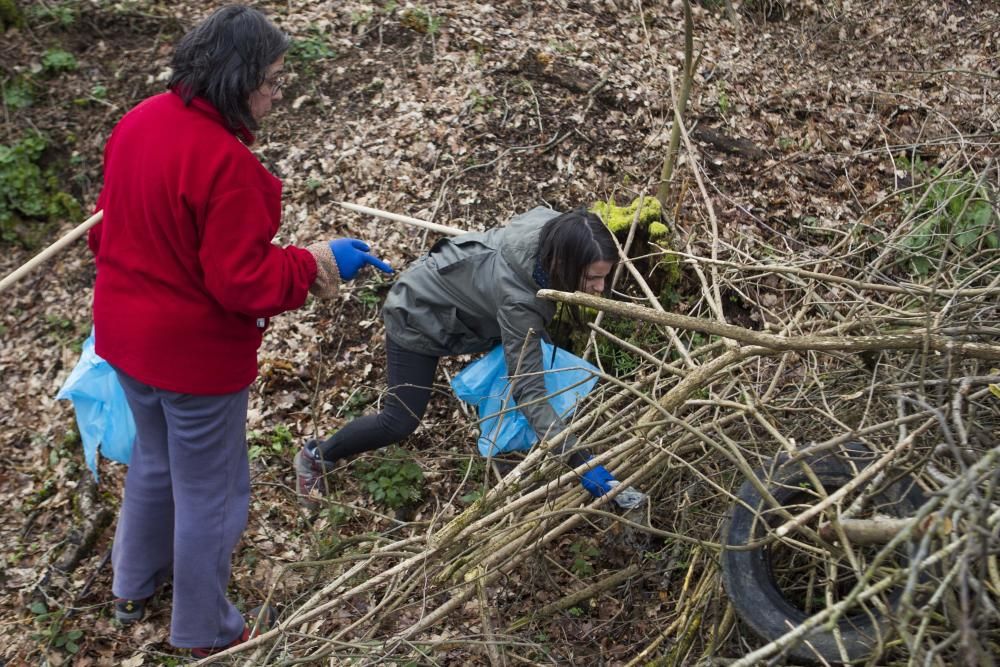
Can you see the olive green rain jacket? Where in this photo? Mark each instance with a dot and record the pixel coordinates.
(474, 291)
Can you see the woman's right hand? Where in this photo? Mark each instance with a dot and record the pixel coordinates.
(337, 260)
(351, 255)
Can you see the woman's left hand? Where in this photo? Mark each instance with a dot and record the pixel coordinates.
(597, 481)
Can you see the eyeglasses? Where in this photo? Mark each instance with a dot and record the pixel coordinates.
(275, 83)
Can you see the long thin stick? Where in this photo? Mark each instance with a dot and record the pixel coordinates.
(444, 229)
(80, 229)
(68, 238)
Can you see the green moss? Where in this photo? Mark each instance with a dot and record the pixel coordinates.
(619, 218)
(670, 266)
(652, 235)
(658, 230)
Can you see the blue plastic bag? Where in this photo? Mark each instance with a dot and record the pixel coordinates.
(485, 384)
(102, 411)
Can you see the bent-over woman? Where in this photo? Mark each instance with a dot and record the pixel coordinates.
(468, 294)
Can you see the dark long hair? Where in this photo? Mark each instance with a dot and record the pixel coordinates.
(225, 58)
(571, 242)
(568, 244)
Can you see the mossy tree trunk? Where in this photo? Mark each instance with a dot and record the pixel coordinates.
(667, 170)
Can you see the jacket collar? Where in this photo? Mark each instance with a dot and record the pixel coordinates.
(519, 245)
(205, 107)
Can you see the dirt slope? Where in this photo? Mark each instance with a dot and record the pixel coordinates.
(462, 113)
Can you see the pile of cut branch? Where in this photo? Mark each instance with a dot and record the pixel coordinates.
(840, 352)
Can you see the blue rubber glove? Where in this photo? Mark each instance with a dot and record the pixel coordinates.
(351, 255)
(597, 481)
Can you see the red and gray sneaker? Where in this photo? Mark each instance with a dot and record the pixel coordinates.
(212, 650)
(259, 620)
(310, 469)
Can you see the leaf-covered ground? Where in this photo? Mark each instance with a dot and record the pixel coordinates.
(462, 113)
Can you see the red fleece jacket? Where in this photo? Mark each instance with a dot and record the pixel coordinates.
(186, 272)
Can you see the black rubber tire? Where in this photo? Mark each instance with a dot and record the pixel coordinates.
(747, 575)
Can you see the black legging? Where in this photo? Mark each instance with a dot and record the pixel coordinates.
(411, 376)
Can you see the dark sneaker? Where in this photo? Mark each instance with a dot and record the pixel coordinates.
(310, 468)
(265, 614)
(129, 611)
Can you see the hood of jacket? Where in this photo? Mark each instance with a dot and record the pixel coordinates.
(519, 241)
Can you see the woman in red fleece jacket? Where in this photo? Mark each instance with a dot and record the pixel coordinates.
(187, 277)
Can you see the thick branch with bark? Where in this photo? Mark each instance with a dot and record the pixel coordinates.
(914, 339)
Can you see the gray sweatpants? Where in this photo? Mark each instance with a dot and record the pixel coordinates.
(187, 495)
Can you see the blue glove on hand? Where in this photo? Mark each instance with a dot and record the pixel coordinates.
(351, 255)
(597, 481)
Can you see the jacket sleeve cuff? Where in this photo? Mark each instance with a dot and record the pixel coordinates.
(327, 280)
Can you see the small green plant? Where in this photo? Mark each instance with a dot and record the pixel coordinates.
(953, 216)
(473, 472)
(723, 103)
(338, 514)
(560, 46)
(361, 17)
(65, 332)
(50, 629)
(314, 47)
(621, 361)
(394, 481)
(16, 93)
(63, 13)
(421, 20)
(71, 438)
(470, 497)
(274, 443)
(356, 403)
(370, 292)
(58, 322)
(49, 489)
(481, 103)
(473, 468)
(57, 60)
(281, 437)
(27, 191)
(583, 551)
(98, 93)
